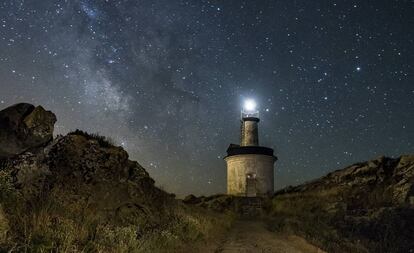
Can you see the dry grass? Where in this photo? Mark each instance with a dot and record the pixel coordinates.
(326, 221)
(46, 224)
(102, 140)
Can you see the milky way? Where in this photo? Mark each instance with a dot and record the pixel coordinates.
(166, 79)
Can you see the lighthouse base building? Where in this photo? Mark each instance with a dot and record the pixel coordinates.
(250, 167)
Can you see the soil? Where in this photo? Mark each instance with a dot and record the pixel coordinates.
(248, 236)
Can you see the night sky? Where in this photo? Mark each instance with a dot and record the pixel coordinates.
(166, 79)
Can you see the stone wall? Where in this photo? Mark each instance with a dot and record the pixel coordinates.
(261, 167)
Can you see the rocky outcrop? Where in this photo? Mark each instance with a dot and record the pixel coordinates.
(77, 181)
(377, 182)
(366, 207)
(78, 171)
(23, 127)
(81, 193)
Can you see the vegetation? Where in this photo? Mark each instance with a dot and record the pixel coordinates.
(325, 219)
(45, 225)
(102, 140)
(58, 203)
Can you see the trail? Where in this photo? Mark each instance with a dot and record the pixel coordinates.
(252, 236)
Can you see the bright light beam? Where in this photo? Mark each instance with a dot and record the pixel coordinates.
(250, 105)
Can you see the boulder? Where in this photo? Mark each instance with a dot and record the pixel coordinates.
(77, 170)
(24, 127)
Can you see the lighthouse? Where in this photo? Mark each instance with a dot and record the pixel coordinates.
(250, 167)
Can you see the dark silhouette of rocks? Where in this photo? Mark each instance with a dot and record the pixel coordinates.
(366, 207)
(79, 169)
(81, 191)
(24, 126)
(377, 182)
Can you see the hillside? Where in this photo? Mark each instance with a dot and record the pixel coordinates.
(81, 193)
(366, 207)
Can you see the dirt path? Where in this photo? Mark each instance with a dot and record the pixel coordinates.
(252, 236)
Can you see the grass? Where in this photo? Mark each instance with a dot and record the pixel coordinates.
(56, 215)
(325, 219)
(48, 224)
(102, 140)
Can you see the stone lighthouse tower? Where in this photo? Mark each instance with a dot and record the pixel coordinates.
(250, 170)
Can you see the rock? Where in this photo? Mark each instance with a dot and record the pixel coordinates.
(383, 180)
(74, 170)
(30, 173)
(191, 199)
(368, 204)
(77, 170)
(24, 127)
(81, 192)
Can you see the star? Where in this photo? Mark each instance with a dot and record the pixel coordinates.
(168, 83)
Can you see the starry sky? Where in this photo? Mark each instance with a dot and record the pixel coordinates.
(166, 79)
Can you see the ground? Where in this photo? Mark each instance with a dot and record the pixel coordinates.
(248, 236)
